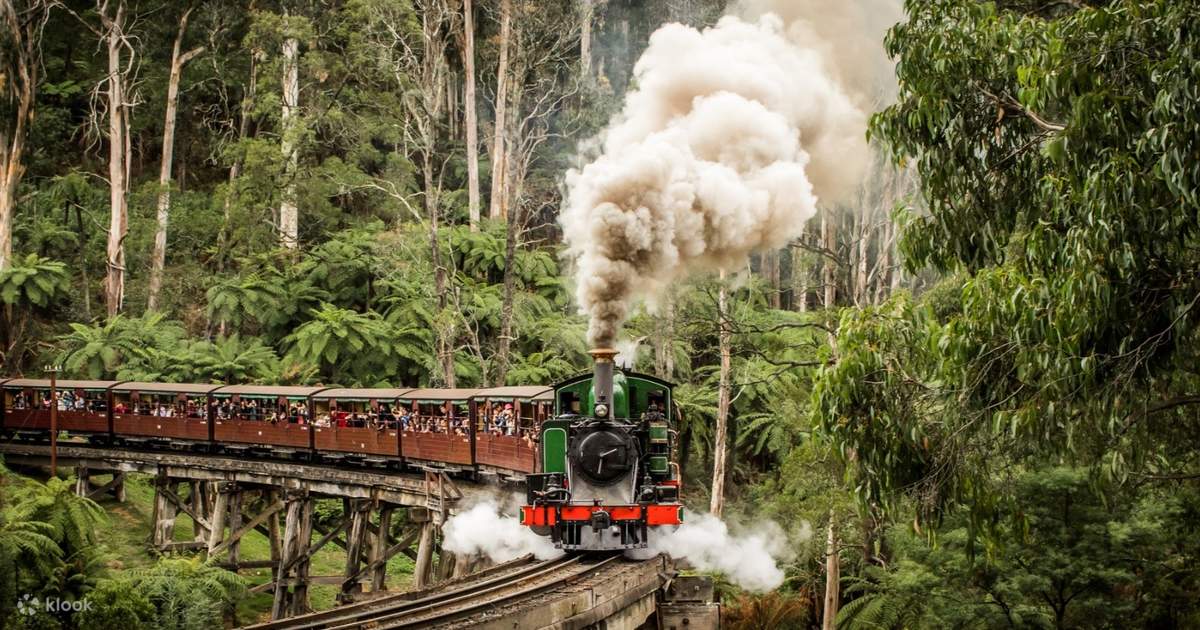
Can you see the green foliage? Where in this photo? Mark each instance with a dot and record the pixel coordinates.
(234, 301)
(539, 367)
(27, 551)
(1050, 146)
(335, 332)
(341, 268)
(1071, 561)
(116, 605)
(33, 281)
(98, 351)
(234, 360)
(47, 543)
(186, 593)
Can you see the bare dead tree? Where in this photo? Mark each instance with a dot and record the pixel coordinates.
(418, 65)
(543, 53)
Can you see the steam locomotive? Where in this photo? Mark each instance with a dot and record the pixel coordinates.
(606, 476)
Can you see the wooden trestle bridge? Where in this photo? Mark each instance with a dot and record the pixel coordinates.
(228, 497)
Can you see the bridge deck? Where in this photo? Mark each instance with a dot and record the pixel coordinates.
(401, 488)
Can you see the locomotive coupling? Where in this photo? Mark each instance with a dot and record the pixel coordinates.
(601, 520)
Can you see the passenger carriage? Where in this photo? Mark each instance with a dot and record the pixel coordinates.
(507, 422)
(82, 406)
(161, 412)
(357, 421)
(438, 428)
(263, 418)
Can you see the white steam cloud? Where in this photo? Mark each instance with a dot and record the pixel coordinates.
(751, 560)
(722, 149)
(626, 353)
(486, 530)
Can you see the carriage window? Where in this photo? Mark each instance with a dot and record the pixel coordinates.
(360, 414)
(159, 405)
(68, 400)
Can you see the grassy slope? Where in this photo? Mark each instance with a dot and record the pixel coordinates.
(129, 528)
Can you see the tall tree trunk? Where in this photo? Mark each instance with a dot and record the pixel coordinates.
(118, 159)
(884, 264)
(159, 257)
(799, 280)
(499, 151)
(504, 344)
(585, 40)
(724, 387)
(664, 339)
(444, 351)
(770, 260)
(833, 577)
(431, 80)
(452, 102)
(289, 219)
(23, 31)
(235, 170)
(829, 245)
(471, 114)
(861, 290)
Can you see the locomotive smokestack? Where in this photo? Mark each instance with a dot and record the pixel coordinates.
(602, 380)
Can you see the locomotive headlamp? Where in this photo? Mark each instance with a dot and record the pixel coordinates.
(601, 410)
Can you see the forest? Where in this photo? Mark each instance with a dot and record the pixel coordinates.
(969, 392)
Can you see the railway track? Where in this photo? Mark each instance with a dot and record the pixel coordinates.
(481, 592)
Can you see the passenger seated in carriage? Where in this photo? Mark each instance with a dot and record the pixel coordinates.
(504, 420)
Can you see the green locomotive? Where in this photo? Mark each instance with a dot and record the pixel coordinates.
(606, 470)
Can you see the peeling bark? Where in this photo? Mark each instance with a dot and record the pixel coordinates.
(289, 219)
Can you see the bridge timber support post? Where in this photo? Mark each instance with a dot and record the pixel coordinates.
(379, 550)
(358, 513)
(84, 486)
(423, 569)
(164, 513)
(200, 511)
(294, 557)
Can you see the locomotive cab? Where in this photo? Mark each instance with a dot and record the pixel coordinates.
(606, 475)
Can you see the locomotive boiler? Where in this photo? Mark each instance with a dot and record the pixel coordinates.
(606, 475)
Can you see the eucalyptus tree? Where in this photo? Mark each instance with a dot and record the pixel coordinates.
(179, 57)
(21, 25)
(1052, 143)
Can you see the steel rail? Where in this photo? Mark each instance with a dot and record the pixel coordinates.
(451, 609)
(353, 615)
